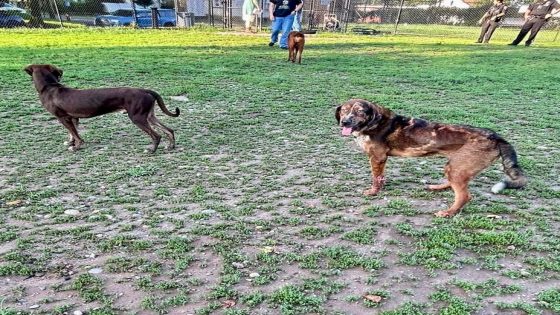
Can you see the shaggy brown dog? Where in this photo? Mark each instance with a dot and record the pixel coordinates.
(69, 105)
(381, 134)
(296, 41)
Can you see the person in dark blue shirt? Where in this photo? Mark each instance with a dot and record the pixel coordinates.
(282, 14)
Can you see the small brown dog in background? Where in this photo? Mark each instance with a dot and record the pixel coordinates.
(296, 41)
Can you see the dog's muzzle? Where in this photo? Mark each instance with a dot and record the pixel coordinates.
(347, 126)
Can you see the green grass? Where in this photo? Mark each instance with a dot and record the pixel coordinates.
(260, 203)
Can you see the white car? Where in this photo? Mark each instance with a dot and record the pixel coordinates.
(10, 7)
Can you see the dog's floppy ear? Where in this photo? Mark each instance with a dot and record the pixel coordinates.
(58, 72)
(375, 117)
(337, 113)
(29, 69)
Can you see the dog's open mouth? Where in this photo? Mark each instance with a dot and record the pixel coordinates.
(346, 131)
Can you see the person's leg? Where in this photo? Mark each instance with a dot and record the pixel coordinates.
(297, 22)
(244, 14)
(534, 30)
(276, 28)
(524, 30)
(490, 31)
(483, 30)
(286, 28)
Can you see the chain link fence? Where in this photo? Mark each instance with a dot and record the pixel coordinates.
(451, 18)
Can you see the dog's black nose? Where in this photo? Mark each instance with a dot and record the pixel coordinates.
(346, 121)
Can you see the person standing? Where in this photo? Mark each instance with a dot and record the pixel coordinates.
(281, 14)
(249, 8)
(297, 19)
(490, 20)
(538, 13)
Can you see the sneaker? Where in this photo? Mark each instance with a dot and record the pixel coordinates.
(285, 48)
(527, 44)
(270, 44)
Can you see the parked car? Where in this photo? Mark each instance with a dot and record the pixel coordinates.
(122, 17)
(4, 6)
(11, 19)
(125, 17)
(166, 18)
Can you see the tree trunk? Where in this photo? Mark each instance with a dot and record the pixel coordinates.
(50, 8)
(35, 11)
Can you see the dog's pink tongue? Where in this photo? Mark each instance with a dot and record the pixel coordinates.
(346, 131)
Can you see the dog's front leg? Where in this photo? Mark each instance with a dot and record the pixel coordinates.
(76, 141)
(71, 141)
(377, 164)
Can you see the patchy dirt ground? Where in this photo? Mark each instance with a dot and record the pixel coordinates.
(259, 209)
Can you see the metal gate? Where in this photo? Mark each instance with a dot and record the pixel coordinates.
(328, 15)
(228, 13)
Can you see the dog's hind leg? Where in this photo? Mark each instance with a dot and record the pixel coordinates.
(152, 119)
(460, 170)
(458, 177)
(75, 140)
(142, 123)
(439, 186)
(444, 185)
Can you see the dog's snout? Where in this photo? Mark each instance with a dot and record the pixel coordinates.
(346, 121)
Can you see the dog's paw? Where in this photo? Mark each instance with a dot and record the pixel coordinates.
(444, 214)
(72, 148)
(170, 147)
(68, 143)
(371, 192)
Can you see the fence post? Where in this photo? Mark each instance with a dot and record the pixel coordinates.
(155, 20)
(176, 7)
(311, 15)
(346, 15)
(58, 13)
(210, 13)
(230, 3)
(261, 17)
(398, 16)
(135, 14)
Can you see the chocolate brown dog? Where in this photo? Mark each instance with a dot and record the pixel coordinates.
(296, 42)
(69, 105)
(381, 134)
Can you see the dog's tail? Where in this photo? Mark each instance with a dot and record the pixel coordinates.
(514, 175)
(161, 104)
